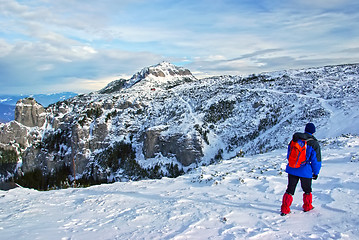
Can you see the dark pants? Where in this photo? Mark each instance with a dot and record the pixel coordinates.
(306, 184)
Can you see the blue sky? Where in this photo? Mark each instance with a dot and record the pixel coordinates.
(51, 46)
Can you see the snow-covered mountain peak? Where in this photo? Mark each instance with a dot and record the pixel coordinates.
(164, 69)
(162, 72)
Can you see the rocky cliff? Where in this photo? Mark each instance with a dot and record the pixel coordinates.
(163, 121)
(29, 113)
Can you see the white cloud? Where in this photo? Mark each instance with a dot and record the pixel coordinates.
(9, 7)
(45, 67)
(5, 48)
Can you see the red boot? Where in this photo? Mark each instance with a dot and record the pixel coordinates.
(286, 202)
(307, 199)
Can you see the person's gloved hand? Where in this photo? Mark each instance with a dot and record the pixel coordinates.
(315, 177)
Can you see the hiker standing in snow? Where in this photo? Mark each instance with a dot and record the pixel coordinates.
(303, 167)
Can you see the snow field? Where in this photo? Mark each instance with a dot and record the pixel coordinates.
(238, 198)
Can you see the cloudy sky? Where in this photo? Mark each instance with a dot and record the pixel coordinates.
(49, 46)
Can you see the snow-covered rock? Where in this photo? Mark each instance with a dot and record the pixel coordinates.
(163, 120)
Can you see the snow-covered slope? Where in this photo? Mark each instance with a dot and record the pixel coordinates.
(234, 199)
(164, 117)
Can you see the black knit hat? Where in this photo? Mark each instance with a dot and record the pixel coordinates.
(310, 128)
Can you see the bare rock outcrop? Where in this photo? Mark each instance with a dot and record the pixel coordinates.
(29, 113)
(186, 148)
(13, 132)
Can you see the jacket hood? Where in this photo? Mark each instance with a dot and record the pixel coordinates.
(303, 136)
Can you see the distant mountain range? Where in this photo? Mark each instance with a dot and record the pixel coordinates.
(8, 102)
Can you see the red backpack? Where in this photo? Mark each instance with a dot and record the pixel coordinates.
(297, 153)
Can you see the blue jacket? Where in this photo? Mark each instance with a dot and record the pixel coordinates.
(313, 155)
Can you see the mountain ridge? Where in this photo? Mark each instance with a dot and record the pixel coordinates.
(164, 126)
(156, 75)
